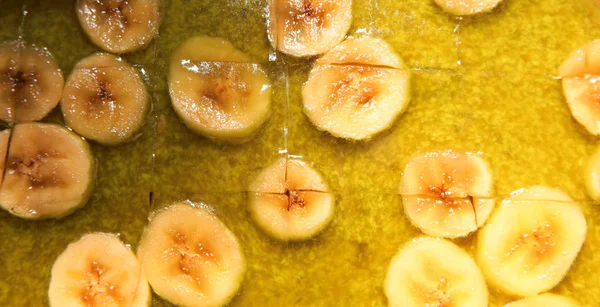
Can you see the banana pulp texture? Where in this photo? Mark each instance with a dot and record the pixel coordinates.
(120, 26)
(447, 193)
(467, 7)
(49, 172)
(4, 138)
(592, 175)
(105, 99)
(357, 89)
(216, 91)
(308, 27)
(545, 300)
(434, 272)
(98, 270)
(531, 241)
(31, 83)
(289, 200)
(580, 74)
(190, 257)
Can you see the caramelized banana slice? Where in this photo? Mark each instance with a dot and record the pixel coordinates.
(434, 272)
(105, 99)
(581, 85)
(545, 300)
(98, 270)
(467, 7)
(290, 201)
(447, 193)
(216, 93)
(4, 138)
(191, 258)
(49, 172)
(31, 83)
(308, 27)
(119, 26)
(531, 241)
(351, 99)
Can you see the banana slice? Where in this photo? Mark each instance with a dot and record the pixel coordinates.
(290, 201)
(351, 99)
(592, 175)
(545, 300)
(98, 270)
(105, 99)
(581, 87)
(49, 172)
(31, 83)
(447, 193)
(434, 272)
(308, 27)
(4, 138)
(216, 92)
(467, 7)
(120, 26)
(191, 258)
(531, 241)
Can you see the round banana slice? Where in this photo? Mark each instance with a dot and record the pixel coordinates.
(355, 100)
(216, 93)
(119, 26)
(592, 175)
(467, 7)
(447, 193)
(98, 270)
(581, 85)
(105, 99)
(290, 201)
(531, 241)
(191, 258)
(434, 272)
(49, 172)
(545, 300)
(4, 138)
(308, 27)
(31, 83)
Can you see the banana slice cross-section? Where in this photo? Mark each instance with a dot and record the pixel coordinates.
(545, 300)
(467, 7)
(120, 26)
(308, 27)
(105, 99)
(447, 193)
(190, 257)
(434, 272)
(98, 270)
(4, 138)
(531, 241)
(290, 201)
(31, 83)
(49, 172)
(580, 74)
(216, 92)
(357, 89)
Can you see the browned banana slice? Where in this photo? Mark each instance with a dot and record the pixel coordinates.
(31, 83)
(120, 26)
(308, 27)
(49, 172)
(4, 138)
(105, 99)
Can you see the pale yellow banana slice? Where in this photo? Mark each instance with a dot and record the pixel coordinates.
(215, 92)
(581, 85)
(49, 172)
(4, 138)
(105, 99)
(289, 200)
(531, 241)
(308, 27)
(545, 300)
(190, 257)
(31, 83)
(120, 26)
(592, 175)
(98, 270)
(467, 7)
(447, 193)
(350, 99)
(434, 272)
